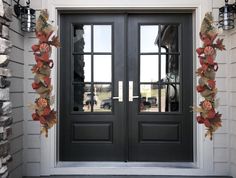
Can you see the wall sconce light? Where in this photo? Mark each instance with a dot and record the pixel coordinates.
(27, 16)
(226, 16)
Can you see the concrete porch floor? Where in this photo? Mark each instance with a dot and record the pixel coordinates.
(133, 177)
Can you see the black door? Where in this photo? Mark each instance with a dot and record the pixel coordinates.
(126, 87)
(160, 66)
(92, 64)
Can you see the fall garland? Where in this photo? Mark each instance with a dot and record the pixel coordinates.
(42, 70)
(206, 72)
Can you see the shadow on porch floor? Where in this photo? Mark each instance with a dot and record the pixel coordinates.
(133, 177)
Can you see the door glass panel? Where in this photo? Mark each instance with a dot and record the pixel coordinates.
(82, 68)
(170, 68)
(169, 37)
(102, 38)
(148, 38)
(92, 72)
(102, 68)
(82, 97)
(82, 38)
(149, 70)
(159, 73)
(170, 98)
(149, 98)
(103, 98)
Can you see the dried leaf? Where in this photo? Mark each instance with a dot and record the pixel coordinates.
(219, 44)
(55, 41)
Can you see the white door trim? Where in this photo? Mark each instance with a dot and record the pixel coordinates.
(203, 148)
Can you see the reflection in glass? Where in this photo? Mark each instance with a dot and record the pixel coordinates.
(82, 98)
(103, 93)
(163, 49)
(169, 37)
(102, 68)
(163, 67)
(170, 68)
(82, 68)
(170, 98)
(149, 98)
(102, 38)
(149, 68)
(148, 37)
(82, 38)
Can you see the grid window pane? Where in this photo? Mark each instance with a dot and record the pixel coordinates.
(102, 38)
(102, 68)
(170, 68)
(169, 37)
(103, 93)
(82, 68)
(82, 98)
(149, 98)
(82, 38)
(148, 38)
(170, 98)
(149, 70)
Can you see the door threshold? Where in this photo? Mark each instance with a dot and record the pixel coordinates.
(112, 164)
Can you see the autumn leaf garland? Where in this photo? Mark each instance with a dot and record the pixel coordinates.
(206, 72)
(42, 70)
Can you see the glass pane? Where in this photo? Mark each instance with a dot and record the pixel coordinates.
(102, 38)
(169, 37)
(102, 68)
(82, 68)
(170, 68)
(103, 93)
(149, 98)
(149, 68)
(170, 98)
(149, 35)
(82, 98)
(82, 38)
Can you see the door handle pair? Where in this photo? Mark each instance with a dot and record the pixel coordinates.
(120, 92)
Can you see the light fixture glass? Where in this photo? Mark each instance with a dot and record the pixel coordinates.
(27, 16)
(226, 16)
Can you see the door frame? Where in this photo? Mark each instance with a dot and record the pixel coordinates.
(203, 148)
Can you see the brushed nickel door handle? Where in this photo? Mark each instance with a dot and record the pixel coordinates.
(131, 90)
(120, 92)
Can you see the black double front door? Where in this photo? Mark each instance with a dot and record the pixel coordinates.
(126, 87)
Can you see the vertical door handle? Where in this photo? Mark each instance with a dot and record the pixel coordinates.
(131, 90)
(120, 92)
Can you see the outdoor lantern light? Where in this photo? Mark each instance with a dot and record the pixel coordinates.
(27, 16)
(226, 16)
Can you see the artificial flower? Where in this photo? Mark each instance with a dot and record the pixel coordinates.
(209, 51)
(206, 105)
(42, 102)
